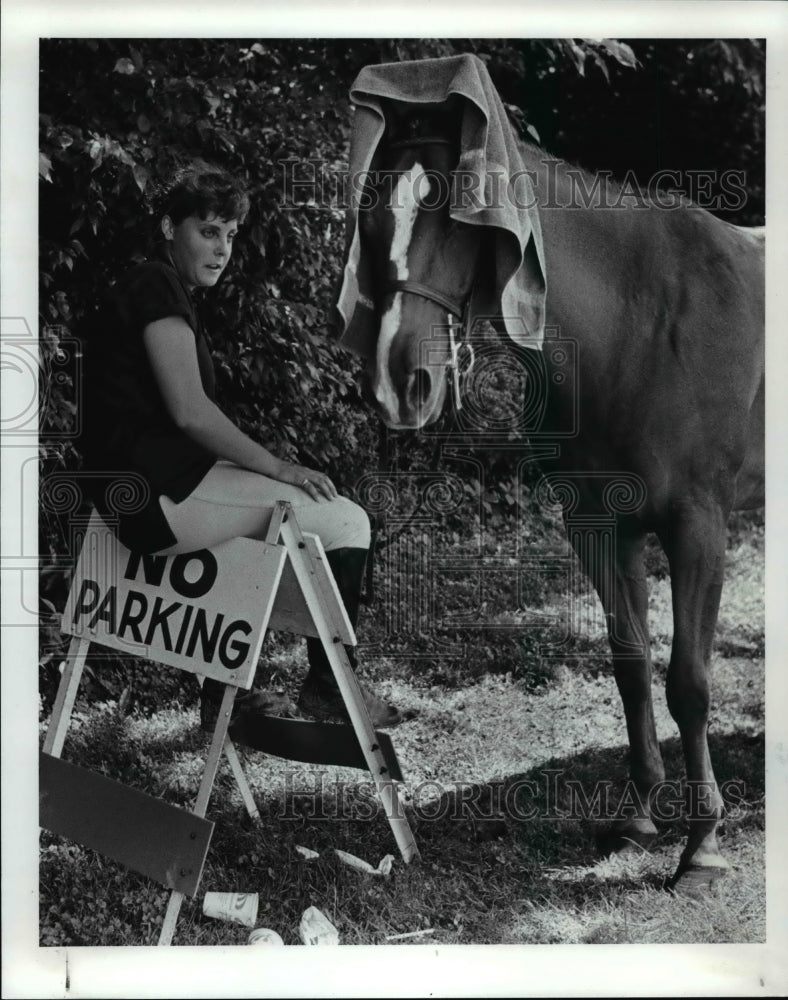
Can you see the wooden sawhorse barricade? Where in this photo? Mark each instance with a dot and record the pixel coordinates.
(206, 612)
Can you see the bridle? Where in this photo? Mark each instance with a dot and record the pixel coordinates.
(458, 314)
(458, 317)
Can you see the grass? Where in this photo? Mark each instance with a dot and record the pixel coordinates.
(480, 739)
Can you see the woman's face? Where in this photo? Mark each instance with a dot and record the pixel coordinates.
(200, 248)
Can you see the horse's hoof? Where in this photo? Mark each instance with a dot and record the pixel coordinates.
(697, 880)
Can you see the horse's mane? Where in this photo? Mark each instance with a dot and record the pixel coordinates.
(443, 120)
(614, 187)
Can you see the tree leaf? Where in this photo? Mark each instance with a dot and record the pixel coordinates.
(45, 167)
(620, 52)
(600, 61)
(576, 54)
(141, 175)
(124, 66)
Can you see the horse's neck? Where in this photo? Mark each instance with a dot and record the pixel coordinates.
(585, 244)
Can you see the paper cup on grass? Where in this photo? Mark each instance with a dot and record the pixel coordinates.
(316, 929)
(235, 907)
(264, 935)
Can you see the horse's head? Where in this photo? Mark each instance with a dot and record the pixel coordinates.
(423, 265)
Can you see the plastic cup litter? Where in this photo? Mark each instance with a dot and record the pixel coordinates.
(316, 929)
(264, 935)
(236, 907)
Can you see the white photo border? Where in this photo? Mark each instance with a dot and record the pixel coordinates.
(560, 970)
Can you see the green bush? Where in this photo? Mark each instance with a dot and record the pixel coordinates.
(117, 116)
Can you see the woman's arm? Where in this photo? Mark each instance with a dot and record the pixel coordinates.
(171, 350)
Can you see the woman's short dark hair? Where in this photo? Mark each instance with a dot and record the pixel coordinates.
(202, 189)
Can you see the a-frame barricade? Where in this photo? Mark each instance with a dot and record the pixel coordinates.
(207, 613)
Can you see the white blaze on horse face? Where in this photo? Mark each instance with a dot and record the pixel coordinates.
(412, 186)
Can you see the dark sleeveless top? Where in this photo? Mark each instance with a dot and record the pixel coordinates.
(132, 450)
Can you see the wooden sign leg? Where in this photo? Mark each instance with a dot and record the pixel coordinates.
(280, 510)
(240, 779)
(66, 696)
(230, 752)
(170, 919)
(319, 609)
(201, 805)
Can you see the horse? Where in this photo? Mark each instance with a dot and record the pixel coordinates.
(667, 310)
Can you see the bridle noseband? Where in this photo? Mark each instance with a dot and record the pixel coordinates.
(458, 315)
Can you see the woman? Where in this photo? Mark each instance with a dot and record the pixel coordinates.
(152, 424)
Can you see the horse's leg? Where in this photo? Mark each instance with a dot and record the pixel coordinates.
(694, 541)
(624, 596)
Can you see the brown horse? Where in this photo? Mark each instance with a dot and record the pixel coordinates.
(666, 308)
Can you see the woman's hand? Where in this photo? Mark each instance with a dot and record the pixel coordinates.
(316, 484)
(171, 350)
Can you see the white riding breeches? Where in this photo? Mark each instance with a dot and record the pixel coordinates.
(232, 502)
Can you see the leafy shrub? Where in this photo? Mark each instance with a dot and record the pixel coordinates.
(117, 116)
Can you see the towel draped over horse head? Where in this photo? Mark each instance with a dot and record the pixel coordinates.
(491, 188)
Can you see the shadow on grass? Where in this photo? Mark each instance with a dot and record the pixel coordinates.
(490, 853)
(556, 812)
(490, 845)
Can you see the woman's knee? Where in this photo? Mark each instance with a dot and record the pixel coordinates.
(209, 517)
(362, 526)
(347, 527)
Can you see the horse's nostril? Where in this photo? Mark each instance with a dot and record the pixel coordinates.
(420, 387)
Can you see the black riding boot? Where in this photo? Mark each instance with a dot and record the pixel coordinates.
(320, 695)
(256, 701)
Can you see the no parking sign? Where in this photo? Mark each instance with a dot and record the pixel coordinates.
(205, 612)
